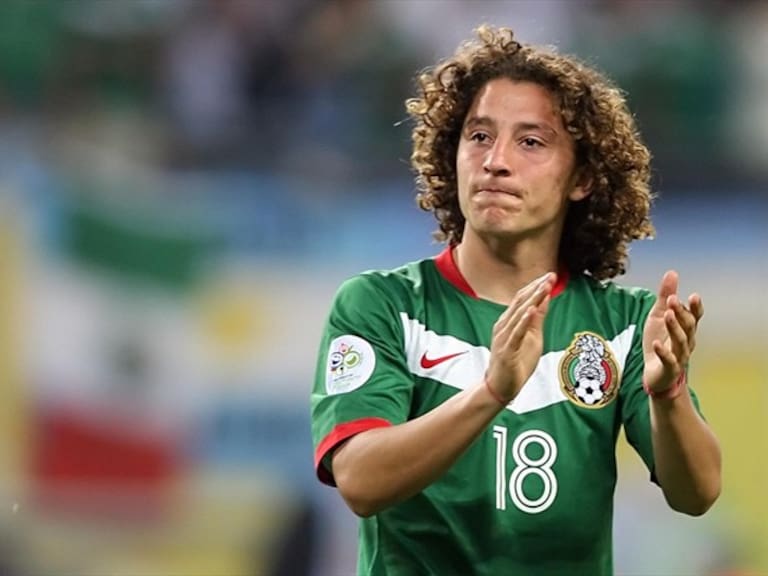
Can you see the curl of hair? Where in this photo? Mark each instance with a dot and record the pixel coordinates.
(609, 152)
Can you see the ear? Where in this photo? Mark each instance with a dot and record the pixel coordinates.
(582, 187)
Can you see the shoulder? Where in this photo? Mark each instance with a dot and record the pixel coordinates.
(615, 289)
(398, 284)
(633, 300)
(378, 299)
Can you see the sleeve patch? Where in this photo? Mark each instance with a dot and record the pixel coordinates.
(351, 361)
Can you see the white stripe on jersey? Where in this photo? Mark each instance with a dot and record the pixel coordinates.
(467, 368)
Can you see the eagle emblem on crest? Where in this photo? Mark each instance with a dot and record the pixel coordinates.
(589, 374)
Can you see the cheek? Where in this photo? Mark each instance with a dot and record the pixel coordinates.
(552, 196)
(462, 162)
(462, 177)
(463, 198)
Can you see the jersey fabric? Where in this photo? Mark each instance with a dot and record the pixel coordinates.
(534, 493)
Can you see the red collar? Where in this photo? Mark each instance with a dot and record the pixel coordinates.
(446, 265)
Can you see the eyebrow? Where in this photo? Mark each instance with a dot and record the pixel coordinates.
(474, 121)
(483, 121)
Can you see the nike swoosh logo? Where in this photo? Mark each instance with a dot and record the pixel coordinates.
(428, 363)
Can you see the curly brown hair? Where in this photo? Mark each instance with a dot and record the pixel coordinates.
(598, 229)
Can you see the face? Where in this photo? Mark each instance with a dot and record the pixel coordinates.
(515, 164)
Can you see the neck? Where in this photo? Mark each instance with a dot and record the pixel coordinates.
(496, 269)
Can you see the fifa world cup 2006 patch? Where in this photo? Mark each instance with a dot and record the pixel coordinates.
(351, 361)
(589, 374)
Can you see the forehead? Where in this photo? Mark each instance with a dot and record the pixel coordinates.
(502, 99)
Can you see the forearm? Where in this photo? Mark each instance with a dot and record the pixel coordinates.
(686, 454)
(381, 467)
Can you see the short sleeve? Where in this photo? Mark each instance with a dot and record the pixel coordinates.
(362, 379)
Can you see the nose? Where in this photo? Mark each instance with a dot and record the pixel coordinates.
(496, 160)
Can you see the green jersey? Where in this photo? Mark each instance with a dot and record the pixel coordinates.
(534, 493)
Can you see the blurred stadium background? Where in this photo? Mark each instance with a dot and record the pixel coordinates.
(184, 184)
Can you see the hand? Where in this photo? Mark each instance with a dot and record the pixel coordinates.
(669, 335)
(518, 340)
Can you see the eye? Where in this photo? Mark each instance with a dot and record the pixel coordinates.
(479, 137)
(531, 142)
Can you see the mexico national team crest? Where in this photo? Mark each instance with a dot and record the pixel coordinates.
(589, 375)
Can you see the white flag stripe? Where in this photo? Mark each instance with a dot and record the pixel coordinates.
(467, 369)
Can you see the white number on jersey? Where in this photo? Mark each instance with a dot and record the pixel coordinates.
(525, 466)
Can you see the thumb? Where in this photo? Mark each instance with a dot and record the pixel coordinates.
(667, 288)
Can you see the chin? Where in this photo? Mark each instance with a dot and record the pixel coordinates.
(498, 232)
(497, 224)
(493, 218)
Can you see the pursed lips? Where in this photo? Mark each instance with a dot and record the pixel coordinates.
(497, 190)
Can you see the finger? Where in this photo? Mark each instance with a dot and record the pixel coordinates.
(526, 291)
(678, 338)
(684, 316)
(521, 300)
(541, 313)
(531, 321)
(520, 329)
(683, 313)
(697, 306)
(667, 288)
(667, 358)
(535, 299)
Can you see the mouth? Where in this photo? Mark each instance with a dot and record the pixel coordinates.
(497, 191)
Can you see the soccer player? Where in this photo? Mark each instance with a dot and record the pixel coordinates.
(467, 406)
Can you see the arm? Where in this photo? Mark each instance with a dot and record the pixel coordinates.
(381, 467)
(687, 454)
(686, 451)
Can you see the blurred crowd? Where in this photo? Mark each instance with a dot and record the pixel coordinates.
(315, 88)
